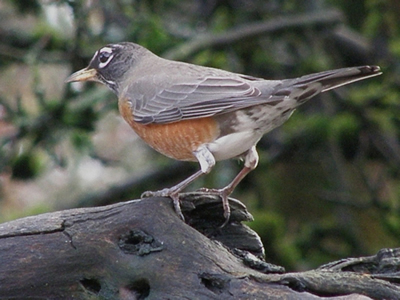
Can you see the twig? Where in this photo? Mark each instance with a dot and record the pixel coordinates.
(331, 17)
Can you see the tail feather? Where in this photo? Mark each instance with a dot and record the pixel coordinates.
(336, 78)
(306, 87)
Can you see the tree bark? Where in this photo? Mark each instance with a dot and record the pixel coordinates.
(140, 249)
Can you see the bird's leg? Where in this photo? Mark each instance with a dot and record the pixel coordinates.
(207, 162)
(250, 163)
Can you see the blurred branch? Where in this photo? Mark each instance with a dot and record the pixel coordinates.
(17, 53)
(387, 145)
(352, 44)
(250, 30)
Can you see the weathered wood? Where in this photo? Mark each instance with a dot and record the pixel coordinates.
(141, 250)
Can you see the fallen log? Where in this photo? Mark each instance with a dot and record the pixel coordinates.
(140, 249)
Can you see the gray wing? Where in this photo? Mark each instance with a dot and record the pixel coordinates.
(155, 101)
(192, 97)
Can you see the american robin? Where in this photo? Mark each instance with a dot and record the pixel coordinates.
(195, 113)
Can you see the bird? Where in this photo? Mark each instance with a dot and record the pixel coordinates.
(196, 113)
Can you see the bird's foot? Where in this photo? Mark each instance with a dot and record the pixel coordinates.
(160, 193)
(224, 194)
(171, 193)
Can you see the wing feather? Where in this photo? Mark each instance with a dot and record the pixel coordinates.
(211, 92)
(191, 98)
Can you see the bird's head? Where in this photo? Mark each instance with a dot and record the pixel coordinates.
(110, 64)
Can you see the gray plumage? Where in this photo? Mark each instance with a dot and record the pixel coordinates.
(165, 91)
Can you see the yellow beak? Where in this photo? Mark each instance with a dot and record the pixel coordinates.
(85, 74)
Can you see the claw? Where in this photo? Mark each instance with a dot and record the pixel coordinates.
(224, 194)
(177, 206)
(226, 207)
(160, 193)
(146, 194)
(174, 195)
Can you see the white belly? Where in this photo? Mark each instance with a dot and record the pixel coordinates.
(247, 127)
(233, 145)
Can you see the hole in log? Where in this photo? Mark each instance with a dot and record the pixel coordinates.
(214, 282)
(296, 284)
(91, 285)
(139, 243)
(140, 288)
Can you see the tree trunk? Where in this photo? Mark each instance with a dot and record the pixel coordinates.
(141, 250)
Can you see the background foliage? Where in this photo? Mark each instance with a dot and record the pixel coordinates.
(327, 186)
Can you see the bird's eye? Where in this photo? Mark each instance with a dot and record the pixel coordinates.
(104, 56)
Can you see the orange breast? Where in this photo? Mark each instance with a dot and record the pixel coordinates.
(177, 140)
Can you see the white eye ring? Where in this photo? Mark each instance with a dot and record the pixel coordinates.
(105, 56)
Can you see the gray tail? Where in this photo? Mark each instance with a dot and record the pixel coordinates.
(336, 78)
(303, 88)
